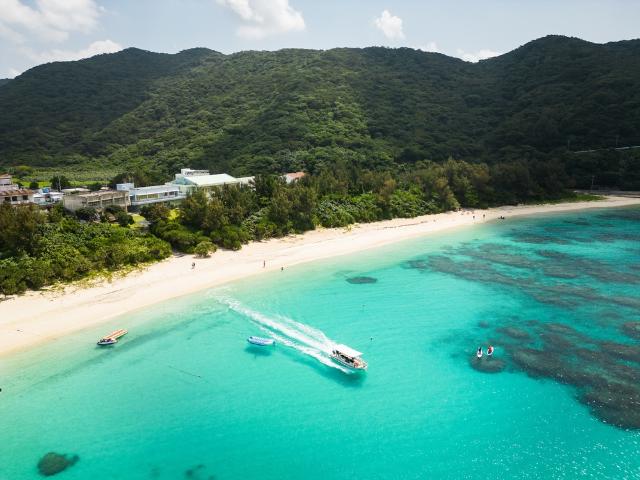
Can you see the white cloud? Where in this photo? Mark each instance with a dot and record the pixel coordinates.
(10, 34)
(482, 54)
(59, 55)
(429, 47)
(390, 25)
(262, 18)
(51, 20)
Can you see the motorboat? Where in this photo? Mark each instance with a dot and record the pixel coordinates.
(112, 337)
(261, 341)
(348, 357)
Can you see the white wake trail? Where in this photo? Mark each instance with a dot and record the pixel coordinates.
(290, 333)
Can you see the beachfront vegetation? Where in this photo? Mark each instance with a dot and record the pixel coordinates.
(38, 248)
(234, 215)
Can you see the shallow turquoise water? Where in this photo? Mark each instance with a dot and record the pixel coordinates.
(184, 396)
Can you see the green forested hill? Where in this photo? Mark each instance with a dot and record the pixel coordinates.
(4, 81)
(254, 112)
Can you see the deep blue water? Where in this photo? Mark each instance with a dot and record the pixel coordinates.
(184, 396)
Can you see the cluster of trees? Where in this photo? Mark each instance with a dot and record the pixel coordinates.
(38, 248)
(232, 215)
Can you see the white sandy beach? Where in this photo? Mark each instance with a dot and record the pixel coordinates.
(35, 317)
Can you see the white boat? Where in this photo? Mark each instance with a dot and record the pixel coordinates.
(348, 357)
(261, 341)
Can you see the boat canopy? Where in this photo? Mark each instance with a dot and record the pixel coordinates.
(348, 351)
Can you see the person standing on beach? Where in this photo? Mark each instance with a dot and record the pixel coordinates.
(193, 265)
(264, 263)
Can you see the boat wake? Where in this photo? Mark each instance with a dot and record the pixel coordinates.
(288, 332)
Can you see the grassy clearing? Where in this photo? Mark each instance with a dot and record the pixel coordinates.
(138, 221)
(78, 175)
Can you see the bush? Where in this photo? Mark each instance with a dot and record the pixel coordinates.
(59, 182)
(155, 213)
(230, 237)
(87, 214)
(124, 219)
(203, 249)
(179, 236)
(407, 204)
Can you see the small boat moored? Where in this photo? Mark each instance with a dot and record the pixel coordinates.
(112, 337)
(348, 357)
(260, 341)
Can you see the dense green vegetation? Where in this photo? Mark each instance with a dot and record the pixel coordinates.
(38, 248)
(4, 81)
(374, 108)
(338, 197)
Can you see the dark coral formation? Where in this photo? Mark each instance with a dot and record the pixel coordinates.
(605, 370)
(198, 472)
(487, 364)
(606, 373)
(486, 265)
(631, 329)
(515, 333)
(622, 351)
(53, 463)
(609, 387)
(418, 264)
(616, 404)
(361, 280)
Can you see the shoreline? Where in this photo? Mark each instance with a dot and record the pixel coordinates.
(40, 316)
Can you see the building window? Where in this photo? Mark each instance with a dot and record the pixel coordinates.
(25, 197)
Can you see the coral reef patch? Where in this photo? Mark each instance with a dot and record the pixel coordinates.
(53, 463)
(362, 280)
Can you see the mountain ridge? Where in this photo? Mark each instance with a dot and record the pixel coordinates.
(260, 111)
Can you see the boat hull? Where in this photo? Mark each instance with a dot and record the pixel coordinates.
(261, 342)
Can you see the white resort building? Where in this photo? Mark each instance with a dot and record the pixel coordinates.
(141, 196)
(189, 180)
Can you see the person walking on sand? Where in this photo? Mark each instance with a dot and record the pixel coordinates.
(264, 263)
(193, 265)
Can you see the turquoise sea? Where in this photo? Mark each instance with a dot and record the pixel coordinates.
(183, 396)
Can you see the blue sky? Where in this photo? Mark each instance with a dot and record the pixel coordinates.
(39, 31)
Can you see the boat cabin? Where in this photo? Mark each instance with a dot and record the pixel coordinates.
(348, 357)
